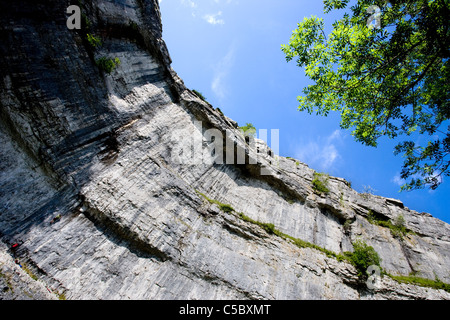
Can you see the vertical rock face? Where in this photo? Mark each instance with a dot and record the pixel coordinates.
(109, 187)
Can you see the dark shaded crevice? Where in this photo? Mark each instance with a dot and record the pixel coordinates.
(122, 235)
(234, 229)
(406, 254)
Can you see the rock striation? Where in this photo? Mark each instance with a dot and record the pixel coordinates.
(111, 188)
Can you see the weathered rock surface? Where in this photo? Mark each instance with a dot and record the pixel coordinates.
(93, 190)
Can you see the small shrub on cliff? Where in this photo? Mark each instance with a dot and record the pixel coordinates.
(94, 41)
(320, 182)
(248, 130)
(225, 207)
(199, 94)
(398, 228)
(400, 225)
(362, 257)
(107, 64)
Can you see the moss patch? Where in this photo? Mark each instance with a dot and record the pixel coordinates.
(223, 206)
(423, 282)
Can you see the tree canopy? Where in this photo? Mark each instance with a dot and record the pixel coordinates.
(385, 67)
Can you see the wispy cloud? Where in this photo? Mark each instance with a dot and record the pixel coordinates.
(397, 179)
(321, 153)
(221, 71)
(214, 18)
(223, 1)
(189, 3)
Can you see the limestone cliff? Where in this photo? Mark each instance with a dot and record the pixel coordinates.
(91, 193)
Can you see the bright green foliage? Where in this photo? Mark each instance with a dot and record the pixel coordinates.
(363, 256)
(435, 284)
(223, 206)
(320, 182)
(249, 130)
(268, 227)
(389, 81)
(107, 64)
(93, 40)
(398, 228)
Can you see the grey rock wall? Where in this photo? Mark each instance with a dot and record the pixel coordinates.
(94, 188)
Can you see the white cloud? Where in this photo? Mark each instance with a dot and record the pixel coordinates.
(189, 3)
(213, 18)
(321, 153)
(221, 71)
(227, 1)
(398, 180)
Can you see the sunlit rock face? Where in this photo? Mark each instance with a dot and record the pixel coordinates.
(127, 185)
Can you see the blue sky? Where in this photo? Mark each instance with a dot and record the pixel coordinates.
(230, 51)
